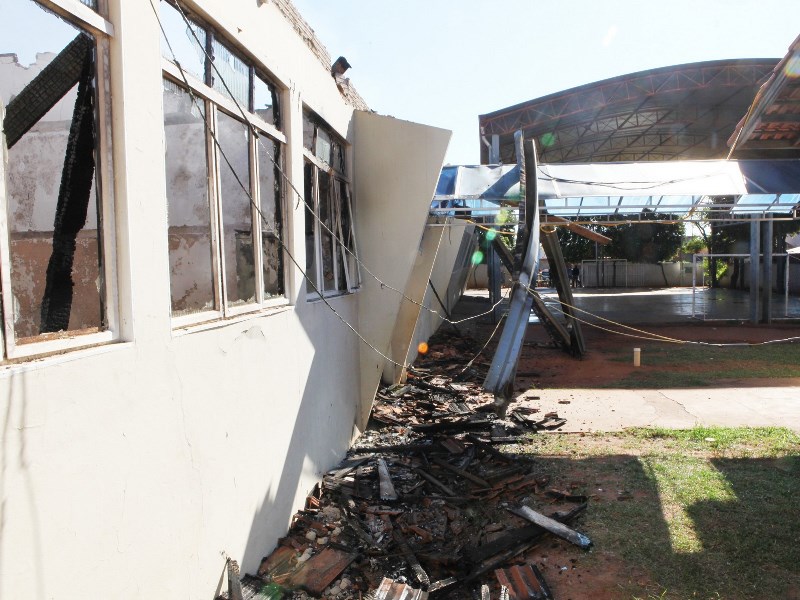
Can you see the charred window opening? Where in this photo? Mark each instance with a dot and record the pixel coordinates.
(223, 175)
(53, 271)
(331, 262)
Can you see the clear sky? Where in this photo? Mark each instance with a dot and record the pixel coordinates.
(444, 62)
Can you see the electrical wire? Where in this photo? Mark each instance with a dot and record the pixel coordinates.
(649, 335)
(257, 208)
(301, 197)
(641, 185)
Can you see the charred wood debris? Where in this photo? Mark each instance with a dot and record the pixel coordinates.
(429, 502)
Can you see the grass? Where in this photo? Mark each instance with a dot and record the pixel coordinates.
(714, 514)
(666, 365)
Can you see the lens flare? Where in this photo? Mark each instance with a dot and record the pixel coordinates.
(491, 234)
(792, 67)
(477, 257)
(422, 348)
(548, 139)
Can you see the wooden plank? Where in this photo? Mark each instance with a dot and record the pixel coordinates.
(576, 229)
(460, 472)
(553, 526)
(387, 491)
(430, 478)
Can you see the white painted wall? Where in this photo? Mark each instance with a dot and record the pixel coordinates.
(137, 466)
(441, 276)
(397, 167)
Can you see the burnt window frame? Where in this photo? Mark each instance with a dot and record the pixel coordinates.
(345, 272)
(215, 100)
(91, 22)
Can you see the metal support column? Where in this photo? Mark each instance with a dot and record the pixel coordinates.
(766, 270)
(493, 268)
(500, 379)
(755, 271)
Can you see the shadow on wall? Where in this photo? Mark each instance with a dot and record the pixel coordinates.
(321, 436)
(15, 423)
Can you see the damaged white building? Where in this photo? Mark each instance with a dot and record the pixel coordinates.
(201, 227)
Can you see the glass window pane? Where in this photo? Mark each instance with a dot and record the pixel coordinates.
(311, 227)
(55, 238)
(309, 132)
(186, 41)
(269, 158)
(265, 101)
(233, 78)
(326, 227)
(347, 234)
(237, 229)
(90, 3)
(190, 238)
(323, 146)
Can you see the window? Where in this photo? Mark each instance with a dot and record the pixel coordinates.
(56, 245)
(331, 263)
(224, 192)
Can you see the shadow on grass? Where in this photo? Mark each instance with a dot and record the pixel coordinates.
(689, 527)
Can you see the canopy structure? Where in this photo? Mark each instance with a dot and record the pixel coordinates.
(692, 190)
(684, 112)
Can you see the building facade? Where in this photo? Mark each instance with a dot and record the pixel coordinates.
(193, 209)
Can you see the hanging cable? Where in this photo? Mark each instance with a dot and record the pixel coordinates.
(258, 209)
(648, 335)
(301, 197)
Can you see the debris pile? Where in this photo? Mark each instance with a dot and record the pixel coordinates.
(426, 504)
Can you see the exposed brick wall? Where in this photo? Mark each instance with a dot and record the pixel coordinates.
(304, 30)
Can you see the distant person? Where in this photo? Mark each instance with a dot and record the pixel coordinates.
(575, 276)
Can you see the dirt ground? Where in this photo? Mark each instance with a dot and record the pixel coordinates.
(543, 366)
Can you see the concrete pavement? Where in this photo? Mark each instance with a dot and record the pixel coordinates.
(614, 410)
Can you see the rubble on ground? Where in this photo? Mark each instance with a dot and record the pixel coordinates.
(426, 503)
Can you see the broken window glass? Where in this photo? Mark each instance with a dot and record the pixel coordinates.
(330, 210)
(49, 92)
(309, 132)
(187, 42)
(230, 75)
(311, 227)
(190, 236)
(231, 275)
(269, 161)
(90, 3)
(237, 229)
(265, 101)
(325, 228)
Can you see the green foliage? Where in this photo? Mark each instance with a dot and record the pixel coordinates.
(693, 246)
(646, 242)
(636, 242)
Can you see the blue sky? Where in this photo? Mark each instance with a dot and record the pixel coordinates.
(444, 62)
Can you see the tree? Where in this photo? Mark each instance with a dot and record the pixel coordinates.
(636, 242)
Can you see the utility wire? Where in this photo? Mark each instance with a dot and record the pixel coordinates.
(252, 201)
(301, 197)
(649, 335)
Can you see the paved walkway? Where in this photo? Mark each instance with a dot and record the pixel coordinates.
(613, 410)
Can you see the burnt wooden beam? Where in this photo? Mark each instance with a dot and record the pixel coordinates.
(46, 89)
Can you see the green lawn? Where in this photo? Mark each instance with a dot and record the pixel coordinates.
(667, 365)
(704, 513)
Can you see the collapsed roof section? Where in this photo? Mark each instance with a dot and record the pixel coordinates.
(685, 111)
(726, 189)
(771, 128)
